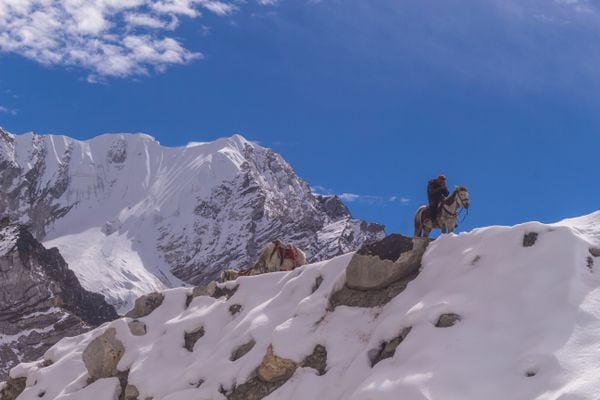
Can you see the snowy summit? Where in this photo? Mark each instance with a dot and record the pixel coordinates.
(131, 216)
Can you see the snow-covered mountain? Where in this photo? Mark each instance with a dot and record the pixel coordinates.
(41, 299)
(496, 313)
(131, 216)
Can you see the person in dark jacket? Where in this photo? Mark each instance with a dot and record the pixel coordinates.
(436, 192)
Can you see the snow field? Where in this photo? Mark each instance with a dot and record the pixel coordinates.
(529, 329)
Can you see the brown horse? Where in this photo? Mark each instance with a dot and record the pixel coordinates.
(447, 215)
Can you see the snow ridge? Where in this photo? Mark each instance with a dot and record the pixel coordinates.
(529, 327)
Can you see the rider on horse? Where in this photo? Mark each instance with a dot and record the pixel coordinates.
(436, 192)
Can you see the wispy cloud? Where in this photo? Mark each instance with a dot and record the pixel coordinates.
(7, 110)
(110, 38)
(361, 198)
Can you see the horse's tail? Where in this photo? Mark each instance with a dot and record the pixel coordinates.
(418, 222)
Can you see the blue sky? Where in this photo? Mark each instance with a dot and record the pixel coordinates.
(368, 98)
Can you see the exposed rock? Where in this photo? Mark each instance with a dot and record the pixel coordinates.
(205, 290)
(137, 327)
(274, 368)
(131, 393)
(529, 239)
(387, 349)
(590, 264)
(253, 389)
(242, 350)
(447, 320)
(102, 355)
(317, 360)
(235, 308)
(371, 298)
(145, 305)
(595, 251)
(224, 291)
(41, 299)
(190, 338)
(382, 263)
(317, 284)
(13, 388)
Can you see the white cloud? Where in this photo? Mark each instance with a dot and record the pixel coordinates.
(110, 38)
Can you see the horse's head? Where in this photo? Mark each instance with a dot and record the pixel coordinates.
(462, 195)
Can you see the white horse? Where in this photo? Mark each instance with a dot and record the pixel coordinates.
(276, 256)
(447, 215)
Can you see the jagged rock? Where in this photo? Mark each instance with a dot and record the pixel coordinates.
(380, 264)
(13, 388)
(387, 349)
(103, 354)
(131, 392)
(317, 360)
(137, 327)
(447, 320)
(595, 251)
(42, 300)
(254, 389)
(242, 350)
(235, 308)
(224, 291)
(145, 305)
(275, 369)
(529, 239)
(206, 290)
(190, 338)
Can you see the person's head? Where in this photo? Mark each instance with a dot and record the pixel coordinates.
(441, 179)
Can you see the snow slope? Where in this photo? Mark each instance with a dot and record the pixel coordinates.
(530, 329)
(131, 216)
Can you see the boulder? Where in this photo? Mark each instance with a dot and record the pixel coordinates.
(145, 305)
(317, 360)
(13, 388)
(447, 320)
(103, 354)
(137, 327)
(595, 251)
(206, 290)
(131, 392)
(275, 369)
(242, 350)
(382, 263)
(529, 239)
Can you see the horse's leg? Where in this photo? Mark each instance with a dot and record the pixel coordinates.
(418, 225)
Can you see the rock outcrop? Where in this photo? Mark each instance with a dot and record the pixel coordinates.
(41, 299)
(382, 263)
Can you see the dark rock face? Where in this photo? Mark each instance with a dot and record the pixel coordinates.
(317, 360)
(190, 338)
(242, 350)
(387, 349)
(529, 239)
(41, 300)
(447, 320)
(390, 248)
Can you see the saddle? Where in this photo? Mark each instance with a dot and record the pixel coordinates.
(286, 252)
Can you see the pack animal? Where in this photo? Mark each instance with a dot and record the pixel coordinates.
(276, 256)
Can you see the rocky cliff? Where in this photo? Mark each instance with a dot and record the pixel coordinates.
(41, 300)
(131, 216)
